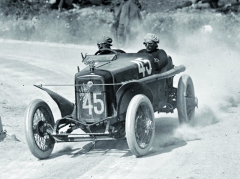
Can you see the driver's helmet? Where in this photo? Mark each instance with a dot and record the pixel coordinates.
(104, 42)
(149, 38)
(151, 42)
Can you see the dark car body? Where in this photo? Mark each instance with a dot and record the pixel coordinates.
(104, 90)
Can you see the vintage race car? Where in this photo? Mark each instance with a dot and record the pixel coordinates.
(116, 97)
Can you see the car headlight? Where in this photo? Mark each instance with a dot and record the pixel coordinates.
(89, 84)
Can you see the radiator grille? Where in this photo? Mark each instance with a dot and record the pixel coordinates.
(91, 98)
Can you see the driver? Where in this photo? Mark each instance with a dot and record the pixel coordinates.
(160, 57)
(104, 44)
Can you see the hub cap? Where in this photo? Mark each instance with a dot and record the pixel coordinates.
(40, 125)
(144, 126)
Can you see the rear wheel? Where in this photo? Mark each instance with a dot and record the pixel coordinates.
(140, 125)
(186, 101)
(38, 122)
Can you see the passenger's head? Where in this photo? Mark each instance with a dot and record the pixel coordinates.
(151, 42)
(104, 42)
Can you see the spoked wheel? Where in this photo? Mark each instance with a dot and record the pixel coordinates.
(39, 121)
(140, 125)
(186, 100)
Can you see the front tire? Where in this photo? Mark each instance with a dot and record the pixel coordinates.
(186, 101)
(140, 125)
(38, 120)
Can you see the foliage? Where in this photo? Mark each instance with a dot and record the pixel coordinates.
(22, 8)
(35, 21)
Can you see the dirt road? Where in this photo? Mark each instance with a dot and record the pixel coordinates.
(208, 148)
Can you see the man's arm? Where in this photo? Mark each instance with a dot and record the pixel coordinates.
(163, 59)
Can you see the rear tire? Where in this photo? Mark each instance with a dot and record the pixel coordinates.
(140, 125)
(38, 119)
(185, 99)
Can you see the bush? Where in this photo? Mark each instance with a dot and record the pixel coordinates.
(23, 9)
(22, 20)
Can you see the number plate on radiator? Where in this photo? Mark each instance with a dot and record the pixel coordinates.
(91, 98)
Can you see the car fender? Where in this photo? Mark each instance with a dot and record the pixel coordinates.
(126, 92)
(65, 106)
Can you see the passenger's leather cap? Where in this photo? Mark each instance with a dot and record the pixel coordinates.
(151, 38)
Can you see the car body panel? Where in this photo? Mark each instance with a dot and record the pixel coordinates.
(105, 87)
(126, 66)
(116, 97)
(65, 106)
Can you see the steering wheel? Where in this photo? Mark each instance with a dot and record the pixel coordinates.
(105, 50)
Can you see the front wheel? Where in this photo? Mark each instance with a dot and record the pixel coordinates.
(38, 121)
(140, 125)
(186, 101)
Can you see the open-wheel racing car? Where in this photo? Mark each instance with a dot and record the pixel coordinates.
(116, 97)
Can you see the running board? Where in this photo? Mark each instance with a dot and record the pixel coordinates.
(67, 137)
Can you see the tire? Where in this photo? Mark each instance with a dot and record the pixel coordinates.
(140, 125)
(39, 118)
(185, 99)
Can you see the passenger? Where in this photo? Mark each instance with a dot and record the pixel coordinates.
(160, 57)
(104, 44)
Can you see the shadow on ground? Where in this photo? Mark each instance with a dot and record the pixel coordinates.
(169, 135)
(163, 138)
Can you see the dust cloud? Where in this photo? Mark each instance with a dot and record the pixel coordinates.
(207, 44)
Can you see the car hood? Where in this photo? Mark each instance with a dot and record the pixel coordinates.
(125, 67)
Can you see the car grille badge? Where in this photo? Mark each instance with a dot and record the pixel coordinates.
(89, 84)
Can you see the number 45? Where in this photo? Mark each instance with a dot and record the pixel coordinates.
(141, 68)
(87, 104)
